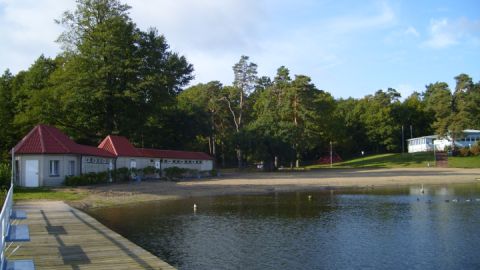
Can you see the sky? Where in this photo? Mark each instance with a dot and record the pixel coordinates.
(348, 48)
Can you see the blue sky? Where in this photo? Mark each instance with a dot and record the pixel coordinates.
(349, 48)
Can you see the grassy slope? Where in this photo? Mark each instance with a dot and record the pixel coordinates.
(415, 160)
(464, 162)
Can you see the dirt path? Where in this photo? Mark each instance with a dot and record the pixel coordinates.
(252, 183)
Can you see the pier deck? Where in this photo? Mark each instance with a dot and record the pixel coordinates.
(65, 238)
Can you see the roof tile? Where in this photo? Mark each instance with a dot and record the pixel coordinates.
(43, 139)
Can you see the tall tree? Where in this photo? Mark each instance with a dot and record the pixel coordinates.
(7, 132)
(245, 74)
(115, 78)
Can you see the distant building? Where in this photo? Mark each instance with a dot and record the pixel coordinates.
(427, 143)
(45, 156)
(421, 144)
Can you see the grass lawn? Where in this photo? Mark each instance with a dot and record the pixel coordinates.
(464, 162)
(415, 160)
(43, 193)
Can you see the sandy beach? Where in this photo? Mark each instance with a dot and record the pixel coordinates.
(256, 183)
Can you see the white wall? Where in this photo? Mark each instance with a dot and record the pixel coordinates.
(45, 179)
(95, 164)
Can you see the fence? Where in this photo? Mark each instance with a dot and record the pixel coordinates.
(5, 224)
(12, 233)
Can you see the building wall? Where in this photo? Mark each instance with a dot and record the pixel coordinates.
(141, 162)
(87, 164)
(420, 145)
(44, 177)
(95, 164)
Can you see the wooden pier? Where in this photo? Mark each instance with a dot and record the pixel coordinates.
(65, 238)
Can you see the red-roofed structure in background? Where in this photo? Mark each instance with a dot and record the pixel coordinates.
(44, 139)
(46, 156)
(157, 153)
(119, 146)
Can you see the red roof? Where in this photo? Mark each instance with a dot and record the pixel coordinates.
(157, 153)
(44, 139)
(119, 146)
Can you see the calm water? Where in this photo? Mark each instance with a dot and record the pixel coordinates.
(395, 228)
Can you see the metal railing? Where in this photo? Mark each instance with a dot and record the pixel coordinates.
(5, 224)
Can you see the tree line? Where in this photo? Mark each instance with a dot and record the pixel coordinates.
(113, 78)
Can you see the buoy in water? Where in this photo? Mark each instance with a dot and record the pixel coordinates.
(194, 206)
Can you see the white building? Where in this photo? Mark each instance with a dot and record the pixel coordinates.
(421, 144)
(45, 156)
(426, 143)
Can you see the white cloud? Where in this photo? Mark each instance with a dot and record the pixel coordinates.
(444, 33)
(382, 17)
(411, 31)
(28, 30)
(208, 25)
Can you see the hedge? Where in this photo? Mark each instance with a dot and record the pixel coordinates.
(87, 179)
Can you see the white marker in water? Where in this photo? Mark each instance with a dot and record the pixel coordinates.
(195, 207)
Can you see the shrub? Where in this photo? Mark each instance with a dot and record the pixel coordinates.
(5, 175)
(87, 179)
(121, 174)
(175, 172)
(213, 173)
(149, 170)
(475, 150)
(464, 152)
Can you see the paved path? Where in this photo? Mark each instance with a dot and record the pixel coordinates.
(65, 238)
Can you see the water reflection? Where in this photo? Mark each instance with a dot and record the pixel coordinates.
(389, 228)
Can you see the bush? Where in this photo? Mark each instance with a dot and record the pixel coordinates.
(175, 172)
(87, 179)
(121, 174)
(464, 152)
(475, 150)
(149, 170)
(5, 175)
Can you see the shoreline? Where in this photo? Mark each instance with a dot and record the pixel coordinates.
(261, 183)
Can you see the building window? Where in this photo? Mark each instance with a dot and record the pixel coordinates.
(54, 167)
(71, 167)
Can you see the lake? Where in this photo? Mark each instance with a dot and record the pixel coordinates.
(381, 228)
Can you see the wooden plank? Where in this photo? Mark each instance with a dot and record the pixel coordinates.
(66, 238)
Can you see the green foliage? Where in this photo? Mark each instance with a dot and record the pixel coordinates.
(464, 162)
(149, 170)
(114, 78)
(413, 160)
(464, 152)
(122, 174)
(87, 179)
(5, 176)
(176, 172)
(475, 149)
(213, 173)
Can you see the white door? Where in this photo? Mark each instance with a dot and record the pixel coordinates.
(31, 173)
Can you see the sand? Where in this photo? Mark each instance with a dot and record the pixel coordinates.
(257, 183)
